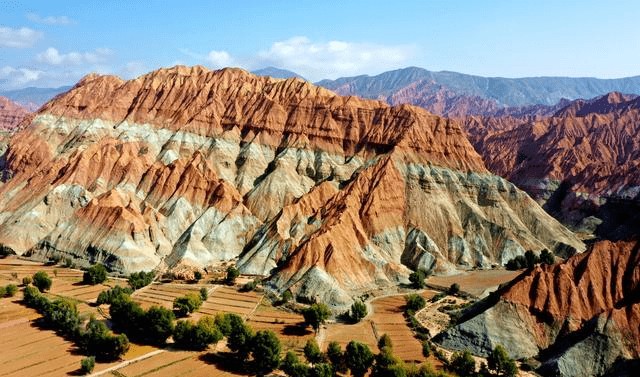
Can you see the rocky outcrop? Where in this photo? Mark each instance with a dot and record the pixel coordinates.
(11, 114)
(328, 195)
(578, 317)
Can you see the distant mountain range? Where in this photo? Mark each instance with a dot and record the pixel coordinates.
(32, 98)
(276, 73)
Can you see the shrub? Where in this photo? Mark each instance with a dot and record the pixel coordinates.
(204, 294)
(547, 257)
(186, 304)
(322, 370)
(34, 299)
(127, 315)
(358, 311)
(158, 324)
(315, 315)
(385, 342)
(107, 297)
(68, 263)
(197, 275)
(290, 363)
(87, 364)
(249, 286)
(232, 274)
(62, 314)
(266, 349)
(140, 279)
(98, 340)
(10, 290)
(359, 358)
(42, 281)
(223, 323)
(415, 302)
(312, 351)
(417, 279)
(95, 275)
(287, 296)
(426, 348)
(189, 335)
(26, 280)
(3, 291)
(240, 336)
(336, 357)
(454, 289)
(462, 363)
(499, 361)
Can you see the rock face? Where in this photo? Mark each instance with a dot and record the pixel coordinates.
(11, 114)
(579, 317)
(328, 195)
(583, 161)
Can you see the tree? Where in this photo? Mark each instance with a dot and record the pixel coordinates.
(223, 323)
(384, 342)
(336, 357)
(10, 290)
(312, 351)
(232, 274)
(189, 335)
(415, 302)
(454, 289)
(140, 279)
(359, 358)
(62, 314)
(197, 275)
(127, 315)
(287, 296)
(532, 258)
(547, 257)
(499, 361)
(266, 349)
(358, 311)
(315, 315)
(107, 297)
(322, 370)
(158, 324)
(34, 299)
(417, 279)
(463, 364)
(240, 336)
(87, 364)
(292, 366)
(26, 280)
(42, 281)
(385, 363)
(186, 304)
(426, 348)
(204, 294)
(99, 341)
(95, 275)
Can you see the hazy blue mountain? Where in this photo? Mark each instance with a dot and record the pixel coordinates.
(33, 98)
(504, 91)
(276, 73)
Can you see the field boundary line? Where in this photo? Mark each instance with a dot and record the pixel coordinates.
(246, 316)
(127, 363)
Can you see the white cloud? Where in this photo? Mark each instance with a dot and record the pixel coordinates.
(132, 69)
(19, 77)
(51, 56)
(61, 20)
(18, 38)
(334, 58)
(219, 59)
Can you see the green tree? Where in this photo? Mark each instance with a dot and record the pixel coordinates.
(312, 351)
(189, 335)
(158, 324)
(454, 289)
(287, 296)
(128, 316)
(500, 362)
(385, 362)
(359, 358)
(204, 294)
(417, 279)
(87, 364)
(426, 348)
(358, 311)
(547, 257)
(26, 280)
(99, 341)
(316, 315)
(140, 279)
(322, 370)
(34, 299)
(463, 364)
(240, 336)
(291, 365)
(223, 323)
(42, 281)
(266, 350)
(96, 274)
(107, 297)
(10, 290)
(62, 314)
(415, 302)
(532, 258)
(186, 304)
(232, 274)
(197, 275)
(336, 357)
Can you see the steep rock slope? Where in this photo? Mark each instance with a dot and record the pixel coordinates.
(11, 114)
(579, 317)
(583, 157)
(191, 166)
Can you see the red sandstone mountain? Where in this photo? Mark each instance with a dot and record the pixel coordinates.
(329, 195)
(10, 114)
(579, 317)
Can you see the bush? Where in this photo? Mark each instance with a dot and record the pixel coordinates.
(186, 304)
(115, 293)
(158, 324)
(42, 281)
(315, 315)
(463, 364)
(266, 349)
(87, 364)
(10, 290)
(232, 274)
(547, 257)
(99, 341)
(312, 351)
(240, 336)
(385, 342)
(62, 314)
(95, 275)
(68, 263)
(415, 302)
(34, 299)
(3, 291)
(358, 311)
(322, 370)
(140, 279)
(454, 289)
(359, 358)
(287, 296)
(197, 275)
(290, 363)
(26, 280)
(223, 323)
(426, 348)
(189, 335)
(204, 294)
(499, 361)
(336, 357)
(249, 286)
(417, 279)
(128, 316)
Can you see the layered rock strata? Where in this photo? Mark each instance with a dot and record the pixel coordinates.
(329, 195)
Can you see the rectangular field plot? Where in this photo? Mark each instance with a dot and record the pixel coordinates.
(162, 294)
(173, 363)
(476, 282)
(229, 300)
(287, 326)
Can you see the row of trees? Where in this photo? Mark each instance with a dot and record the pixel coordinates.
(530, 259)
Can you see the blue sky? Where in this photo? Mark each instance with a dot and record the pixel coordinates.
(55, 43)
